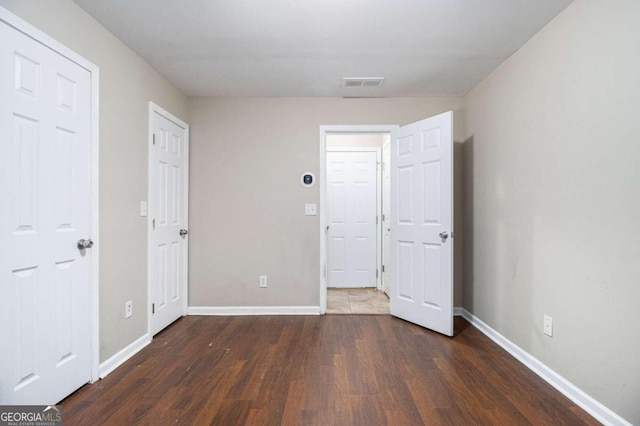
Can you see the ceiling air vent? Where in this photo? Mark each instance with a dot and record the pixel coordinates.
(362, 81)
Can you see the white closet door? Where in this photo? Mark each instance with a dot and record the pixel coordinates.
(351, 211)
(45, 183)
(168, 206)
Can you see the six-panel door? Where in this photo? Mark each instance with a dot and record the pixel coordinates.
(351, 211)
(422, 217)
(45, 183)
(168, 208)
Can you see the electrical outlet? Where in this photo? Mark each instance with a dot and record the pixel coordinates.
(263, 281)
(128, 309)
(547, 326)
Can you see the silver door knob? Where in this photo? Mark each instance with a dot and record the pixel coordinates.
(444, 235)
(183, 232)
(85, 244)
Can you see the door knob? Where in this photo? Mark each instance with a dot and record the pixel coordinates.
(85, 244)
(444, 235)
(183, 232)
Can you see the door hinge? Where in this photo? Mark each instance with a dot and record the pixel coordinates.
(154, 138)
(383, 217)
(376, 273)
(153, 223)
(383, 269)
(377, 218)
(153, 308)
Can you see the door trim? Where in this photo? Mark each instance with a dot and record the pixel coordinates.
(324, 131)
(94, 71)
(386, 167)
(155, 108)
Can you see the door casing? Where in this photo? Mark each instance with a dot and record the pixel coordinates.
(385, 217)
(324, 131)
(22, 26)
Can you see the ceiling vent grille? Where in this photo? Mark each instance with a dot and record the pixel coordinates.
(362, 81)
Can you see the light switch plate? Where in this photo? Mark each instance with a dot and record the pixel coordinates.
(143, 208)
(310, 209)
(547, 326)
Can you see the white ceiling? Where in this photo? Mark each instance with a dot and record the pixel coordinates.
(306, 47)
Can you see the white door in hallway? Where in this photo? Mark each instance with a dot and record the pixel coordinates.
(422, 223)
(386, 217)
(351, 217)
(168, 214)
(45, 209)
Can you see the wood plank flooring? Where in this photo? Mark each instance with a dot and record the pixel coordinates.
(319, 370)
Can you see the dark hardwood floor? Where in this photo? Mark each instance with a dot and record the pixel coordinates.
(319, 370)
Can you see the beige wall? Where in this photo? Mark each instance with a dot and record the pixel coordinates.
(356, 141)
(553, 195)
(127, 84)
(247, 205)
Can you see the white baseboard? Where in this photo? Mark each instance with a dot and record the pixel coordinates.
(253, 310)
(457, 311)
(568, 389)
(123, 355)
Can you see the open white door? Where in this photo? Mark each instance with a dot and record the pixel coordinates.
(168, 217)
(422, 223)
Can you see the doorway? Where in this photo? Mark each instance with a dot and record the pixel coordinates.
(420, 219)
(352, 206)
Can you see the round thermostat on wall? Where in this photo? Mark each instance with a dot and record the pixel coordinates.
(307, 179)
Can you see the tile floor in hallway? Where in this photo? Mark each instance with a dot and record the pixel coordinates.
(356, 301)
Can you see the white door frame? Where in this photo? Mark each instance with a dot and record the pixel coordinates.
(386, 168)
(324, 131)
(39, 36)
(378, 151)
(155, 108)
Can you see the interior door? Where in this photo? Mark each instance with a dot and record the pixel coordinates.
(351, 215)
(45, 209)
(422, 223)
(168, 203)
(386, 217)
